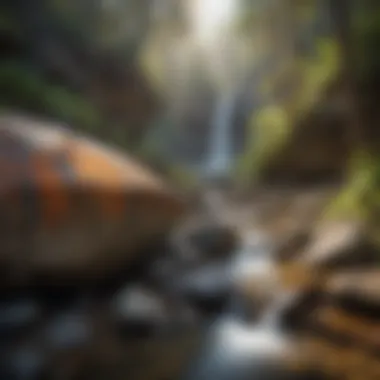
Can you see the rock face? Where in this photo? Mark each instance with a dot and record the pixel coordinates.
(71, 205)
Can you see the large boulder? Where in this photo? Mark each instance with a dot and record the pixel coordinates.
(70, 205)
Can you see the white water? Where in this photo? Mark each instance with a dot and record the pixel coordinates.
(219, 156)
(213, 31)
(235, 349)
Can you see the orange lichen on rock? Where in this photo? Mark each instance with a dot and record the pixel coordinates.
(81, 205)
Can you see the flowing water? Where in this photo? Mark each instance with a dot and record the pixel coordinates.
(236, 348)
(219, 155)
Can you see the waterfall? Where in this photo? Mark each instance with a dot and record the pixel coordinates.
(219, 155)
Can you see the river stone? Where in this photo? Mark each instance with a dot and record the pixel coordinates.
(70, 205)
(208, 287)
(199, 240)
(339, 243)
(358, 288)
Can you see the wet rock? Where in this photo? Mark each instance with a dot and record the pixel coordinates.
(343, 327)
(150, 336)
(163, 271)
(69, 330)
(24, 363)
(357, 290)
(339, 244)
(17, 316)
(207, 287)
(295, 316)
(202, 240)
(162, 357)
(138, 312)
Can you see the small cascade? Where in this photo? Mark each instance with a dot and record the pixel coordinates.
(239, 349)
(219, 155)
(271, 319)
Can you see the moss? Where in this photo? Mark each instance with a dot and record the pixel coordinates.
(268, 131)
(21, 87)
(360, 197)
(271, 127)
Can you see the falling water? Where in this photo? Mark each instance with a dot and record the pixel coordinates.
(213, 31)
(219, 156)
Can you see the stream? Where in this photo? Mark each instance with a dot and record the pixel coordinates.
(219, 156)
(245, 341)
(237, 346)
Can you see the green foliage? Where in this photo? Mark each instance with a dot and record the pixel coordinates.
(360, 197)
(271, 126)
(22, 88)
(268, 131)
